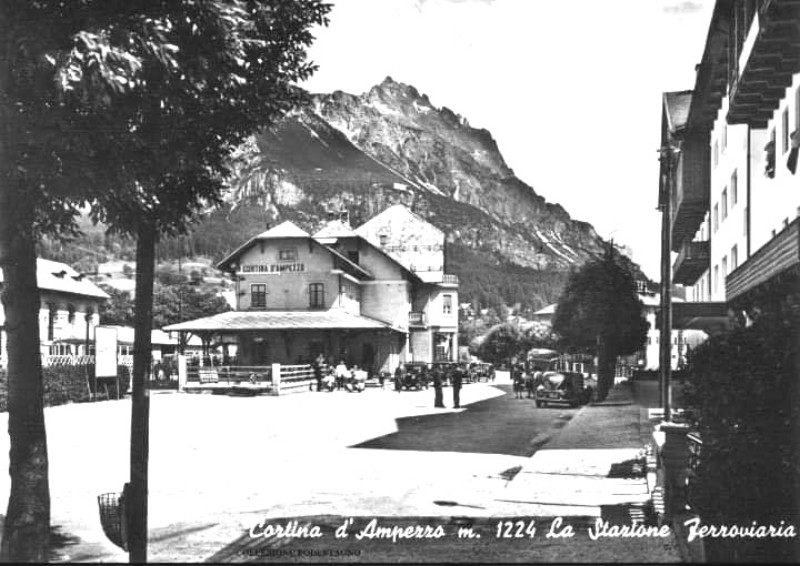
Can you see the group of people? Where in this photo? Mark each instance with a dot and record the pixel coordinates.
(526, 380)
(331, 377)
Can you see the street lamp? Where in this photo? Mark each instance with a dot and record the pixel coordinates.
(667, 152)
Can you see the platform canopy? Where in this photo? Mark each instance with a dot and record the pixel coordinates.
(239, 321)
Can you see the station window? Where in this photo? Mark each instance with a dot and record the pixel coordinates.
(316, 295)
(287, 255)
(258, 296)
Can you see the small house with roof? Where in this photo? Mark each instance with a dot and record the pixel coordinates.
(70, 303)
(335, 293)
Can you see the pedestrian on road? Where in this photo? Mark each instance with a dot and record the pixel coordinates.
(438, 399)
(458, 377)
(518, 380)
(398, 379)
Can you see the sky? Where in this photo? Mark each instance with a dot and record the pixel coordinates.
(570, 90)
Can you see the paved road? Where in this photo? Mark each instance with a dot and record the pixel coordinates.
(219, 464)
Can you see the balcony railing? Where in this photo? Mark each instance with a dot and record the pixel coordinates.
(416, 319)
(448, 279)
(691, 189)
(780, 254)
(692, 261)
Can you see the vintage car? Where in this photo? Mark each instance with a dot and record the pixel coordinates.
(414, 375)
(481, 372)
(562, 388)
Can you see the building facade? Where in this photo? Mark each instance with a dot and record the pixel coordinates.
(69, 310)
(734, 224)
(335, 293)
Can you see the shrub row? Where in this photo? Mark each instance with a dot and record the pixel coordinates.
(742, 396)
(69, 384)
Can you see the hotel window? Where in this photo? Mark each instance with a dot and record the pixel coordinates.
(716, 278)
(258, 296)
(316, 295)
(734, 188)
(447, 304)
(725, 203)
(716, 153)
(724, 266)
(724, 136)
(287, 255)
(785, 124)
(734, 257)
(716, 217)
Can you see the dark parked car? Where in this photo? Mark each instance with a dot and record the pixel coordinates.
(414, 375)
(562, 388)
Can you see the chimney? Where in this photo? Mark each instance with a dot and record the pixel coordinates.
(331, 216)
(344, 216)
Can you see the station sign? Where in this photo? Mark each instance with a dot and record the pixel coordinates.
(273, 268)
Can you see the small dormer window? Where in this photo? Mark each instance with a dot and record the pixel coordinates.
(60, 274)
(78, 277)
(287, 255)
(384, 239)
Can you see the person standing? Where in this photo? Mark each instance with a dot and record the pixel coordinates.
(438, 399)
(342, 375)
(458, 377)
(519, 381)
(318, 365)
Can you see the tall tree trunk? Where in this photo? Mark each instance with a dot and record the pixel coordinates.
(27, 523)
(140, 406)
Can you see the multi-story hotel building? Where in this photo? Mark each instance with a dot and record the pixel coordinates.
(375, 296)
(733, 182)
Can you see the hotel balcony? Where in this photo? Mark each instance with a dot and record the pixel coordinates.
(450, 280)
(417, 320)
(779, 257)
(693, 260)
(691, 191)
(767, 55)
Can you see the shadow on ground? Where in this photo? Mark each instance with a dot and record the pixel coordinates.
(501, 425)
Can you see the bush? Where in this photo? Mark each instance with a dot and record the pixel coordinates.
(742, 397)
(68, 384)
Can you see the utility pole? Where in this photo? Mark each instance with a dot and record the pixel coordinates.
(665, 345)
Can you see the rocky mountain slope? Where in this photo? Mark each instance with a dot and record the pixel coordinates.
(366, 152)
